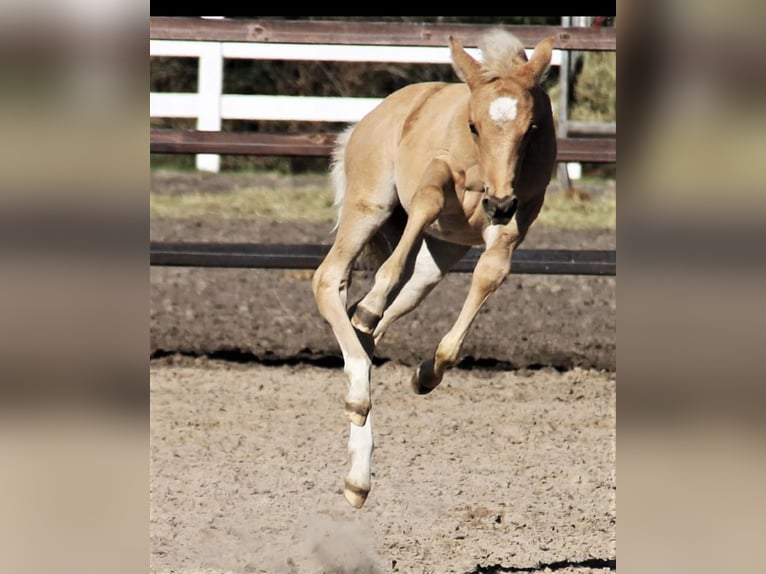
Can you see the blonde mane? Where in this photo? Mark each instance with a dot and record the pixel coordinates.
(501, 51)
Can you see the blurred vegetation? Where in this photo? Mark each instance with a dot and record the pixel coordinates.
(561, 211)
(251, 201)
(595, 88)
(593, 92)
(592, 88)
(247, 202)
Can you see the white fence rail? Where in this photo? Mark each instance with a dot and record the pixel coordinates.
(210, 105)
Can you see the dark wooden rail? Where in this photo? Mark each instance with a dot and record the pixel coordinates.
(368, 33)
(309, 256)
(191, 141)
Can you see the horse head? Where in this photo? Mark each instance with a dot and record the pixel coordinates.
(504, 112)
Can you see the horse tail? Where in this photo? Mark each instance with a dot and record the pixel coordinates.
(338, 172)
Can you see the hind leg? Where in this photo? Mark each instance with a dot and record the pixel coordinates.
(330, 285)
(434, 259)
(361, 217)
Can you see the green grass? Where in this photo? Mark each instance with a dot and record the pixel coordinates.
(282, 204)
(314, 204)
(561, 212)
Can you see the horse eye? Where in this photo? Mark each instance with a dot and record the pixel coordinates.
(533, 127)
(472, 127)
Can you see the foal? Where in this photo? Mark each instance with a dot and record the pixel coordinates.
(433, 170)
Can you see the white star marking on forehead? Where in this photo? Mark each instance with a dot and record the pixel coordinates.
(502, 110)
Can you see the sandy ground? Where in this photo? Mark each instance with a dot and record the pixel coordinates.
(492, 472)
(509, 466)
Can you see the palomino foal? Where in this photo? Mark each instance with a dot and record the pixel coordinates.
(433, 170)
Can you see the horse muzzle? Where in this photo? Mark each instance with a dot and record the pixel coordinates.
(499, 210)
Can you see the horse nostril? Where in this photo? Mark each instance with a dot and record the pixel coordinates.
(499, 210)
(507, 204)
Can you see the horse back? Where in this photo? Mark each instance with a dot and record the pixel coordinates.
(381, 131)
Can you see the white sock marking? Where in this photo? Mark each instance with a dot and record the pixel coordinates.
(360, 446)
(358, 373)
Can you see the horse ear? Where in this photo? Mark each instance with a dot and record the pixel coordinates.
(540, 61)
(464, 65)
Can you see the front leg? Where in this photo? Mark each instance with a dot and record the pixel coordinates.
(490, 272)
(425, 207)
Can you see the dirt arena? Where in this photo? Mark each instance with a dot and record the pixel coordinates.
(509, 466)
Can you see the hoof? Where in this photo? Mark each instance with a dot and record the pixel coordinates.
(424, 379)
(355, 496)
(364, 321)
(356, 413)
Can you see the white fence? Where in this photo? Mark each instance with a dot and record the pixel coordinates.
(210, 105)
